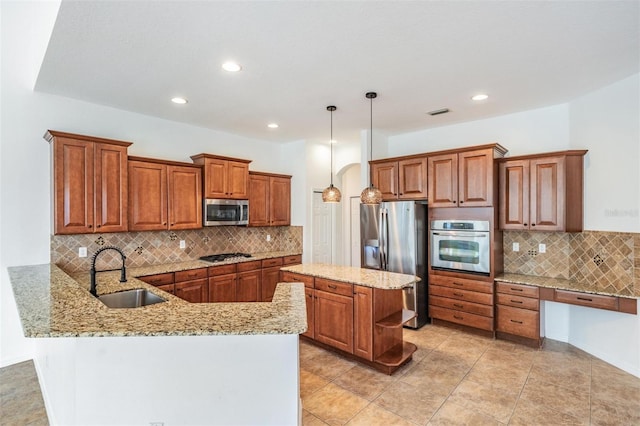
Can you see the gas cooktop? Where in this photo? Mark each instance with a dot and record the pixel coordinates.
(223, 256)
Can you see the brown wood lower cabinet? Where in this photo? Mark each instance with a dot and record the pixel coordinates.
(222, 283)
(192, 285)
(360, 321)
(462, 301)
(270, 277)
(249, 280)
(518, 313)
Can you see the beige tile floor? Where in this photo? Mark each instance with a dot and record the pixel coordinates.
(457, 378)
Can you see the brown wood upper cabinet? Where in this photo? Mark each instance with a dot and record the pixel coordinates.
(89, 185)
(542, 192)
(224, 177)
(463, 178)
(269, 199)
(404, 179)
(164, 195)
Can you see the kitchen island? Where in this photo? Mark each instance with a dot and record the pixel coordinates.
(356, 312)
(173, 362)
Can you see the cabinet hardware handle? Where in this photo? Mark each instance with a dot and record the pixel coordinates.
(586, 299)
(333, 287)
(517, 322)
(516, 289)
(461, 202)
(516, 301)
(458, 294)
(458, 306)
(533, 224)
(524, 224)
(458, 317)
(457, 283)
(98, 226)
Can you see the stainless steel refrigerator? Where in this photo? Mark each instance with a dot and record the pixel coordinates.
(393, 237)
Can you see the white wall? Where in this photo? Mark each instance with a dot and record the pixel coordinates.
(606, 122)
(24, 154)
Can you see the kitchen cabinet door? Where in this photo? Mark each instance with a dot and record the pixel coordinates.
(258, 200)
(185, 197)
(270, 279)
(475, 178)
(547, 193)
(222, 288)
(238, 180)
(363, 322)
(248, 286)
(195, 291)
(147, 196)
(334, 320)
(111, 187)
(309, 299)
(384, 176)
(514, 190)
(280, 201)
(443, 180)
(224, 177)
(412, 176)
(216, 175)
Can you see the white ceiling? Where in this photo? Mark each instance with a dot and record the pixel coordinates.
(300, 56)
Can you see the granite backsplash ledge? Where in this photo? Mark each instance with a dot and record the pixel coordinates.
(608, 260)
(155, 247)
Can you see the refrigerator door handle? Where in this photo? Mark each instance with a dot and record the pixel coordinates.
(385, 233)
(381, 238)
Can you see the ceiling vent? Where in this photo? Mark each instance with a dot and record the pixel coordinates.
(439, 111)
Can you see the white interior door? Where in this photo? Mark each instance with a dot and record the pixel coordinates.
(321, 237)
(354, 226)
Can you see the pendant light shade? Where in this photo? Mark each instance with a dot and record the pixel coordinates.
(371, 194)
(331, 194)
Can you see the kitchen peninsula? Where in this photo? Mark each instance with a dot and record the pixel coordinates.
(173, 362)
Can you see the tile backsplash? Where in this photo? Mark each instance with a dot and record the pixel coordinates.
(608, 261)
(149, 248)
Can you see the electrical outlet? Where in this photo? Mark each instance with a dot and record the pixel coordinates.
(542, 248)
(516, 247)
(268, 237)
(183, 244)
(82, 252)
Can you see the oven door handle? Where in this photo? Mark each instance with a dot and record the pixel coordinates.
(457, 234)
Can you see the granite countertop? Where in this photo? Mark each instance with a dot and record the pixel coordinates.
(53, 304)
(350, 274)
(558, 283)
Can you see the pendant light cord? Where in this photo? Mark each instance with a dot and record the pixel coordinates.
(331, 146)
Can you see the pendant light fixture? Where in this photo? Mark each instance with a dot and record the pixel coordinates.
(331, 194)
(371, 194)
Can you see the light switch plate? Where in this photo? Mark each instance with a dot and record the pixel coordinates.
(542, 248)
(516, 247)
(183, 244)
(82, 252)
(268, 237)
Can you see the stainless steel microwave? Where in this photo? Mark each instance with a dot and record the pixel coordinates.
(225, 212)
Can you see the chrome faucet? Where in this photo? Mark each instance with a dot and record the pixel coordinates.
(123, 271)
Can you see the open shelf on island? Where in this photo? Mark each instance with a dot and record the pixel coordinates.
(397, 319)
(397, 355)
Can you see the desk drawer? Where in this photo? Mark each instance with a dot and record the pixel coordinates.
(517, 301)
(587, 299)
(518, 289)
(520, 322)
(464, 318)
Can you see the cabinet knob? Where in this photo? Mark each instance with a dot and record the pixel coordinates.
(524, 224)
(461, 202)
(90, 226)
(533, 224)
(97, 226)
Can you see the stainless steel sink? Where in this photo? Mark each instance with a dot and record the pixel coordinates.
(130, 298)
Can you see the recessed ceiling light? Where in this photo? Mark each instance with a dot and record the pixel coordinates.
(178, 100)
(480, 97)
(272, 125)
(231, 66)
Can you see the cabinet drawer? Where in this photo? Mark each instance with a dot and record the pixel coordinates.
(518, 289)
(474, 308)
(464, 318)
(193, 274)
(462, 283)
(521, 322)
(222, 270)
(454, 293)
(334, 287)
(249, 266)
(158, 279)
(517, 301)
(292, 277)
(587, 299)
(293, 260)
(268, 263)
